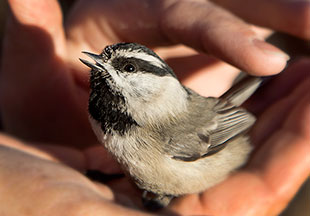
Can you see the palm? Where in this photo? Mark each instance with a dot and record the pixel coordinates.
(45, 90)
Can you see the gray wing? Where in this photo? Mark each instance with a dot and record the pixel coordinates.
(242, 89)
(212, 136)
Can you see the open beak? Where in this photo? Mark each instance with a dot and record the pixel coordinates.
(97, 67)
(97, 58)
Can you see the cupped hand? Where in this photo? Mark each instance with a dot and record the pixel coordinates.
(35, 183)
(280, 162)
(44, 91)
(39, 182)
(44, 88)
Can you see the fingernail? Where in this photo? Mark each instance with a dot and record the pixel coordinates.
(270, 50)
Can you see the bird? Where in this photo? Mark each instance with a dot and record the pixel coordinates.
(168, 139)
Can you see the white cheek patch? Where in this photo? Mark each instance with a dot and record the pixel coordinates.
(155, 98)
(149, 98)
(135, 84)
(117, 78)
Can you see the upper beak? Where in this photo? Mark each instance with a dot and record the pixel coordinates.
(97, 58)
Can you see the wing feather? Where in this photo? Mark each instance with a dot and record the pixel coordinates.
(227, 123)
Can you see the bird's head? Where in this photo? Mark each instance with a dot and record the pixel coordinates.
(131, 79)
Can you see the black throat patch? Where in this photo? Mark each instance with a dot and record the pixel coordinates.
(106, 106)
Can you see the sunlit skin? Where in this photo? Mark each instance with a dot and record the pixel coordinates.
(44, 92)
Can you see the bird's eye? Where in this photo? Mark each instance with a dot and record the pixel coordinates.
(129, 68)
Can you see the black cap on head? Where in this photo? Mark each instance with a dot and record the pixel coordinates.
(147, 66)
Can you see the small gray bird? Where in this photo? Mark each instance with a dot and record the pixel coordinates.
(170, 140)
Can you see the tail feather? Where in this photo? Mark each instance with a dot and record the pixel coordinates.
(242, 90)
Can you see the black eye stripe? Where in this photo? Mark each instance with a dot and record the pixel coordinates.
(141, 65)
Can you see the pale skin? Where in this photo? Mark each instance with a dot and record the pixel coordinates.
(44, 90)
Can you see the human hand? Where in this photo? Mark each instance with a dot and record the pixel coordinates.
(35, 183)
(280, 162)
(44, 88)
(274, 173)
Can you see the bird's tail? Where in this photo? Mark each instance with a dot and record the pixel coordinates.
(242, 90)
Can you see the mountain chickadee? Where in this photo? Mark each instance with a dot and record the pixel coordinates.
(170, 140)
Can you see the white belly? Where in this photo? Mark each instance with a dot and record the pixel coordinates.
(157, 172)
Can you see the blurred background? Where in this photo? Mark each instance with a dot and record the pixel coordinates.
(300, 206)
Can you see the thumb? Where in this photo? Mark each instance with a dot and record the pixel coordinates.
(37, 90)
(44, 15)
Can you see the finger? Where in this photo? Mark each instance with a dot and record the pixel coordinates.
(97, 158)
(270, 180)
(39, 97)
(199, 71)
(282, 15)
(66, 155)
(37, 15)
(56, 189)
(69, 156)
(273, 118)
(283, 161)
(279, 86)
(218, 32)
(7, 141)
